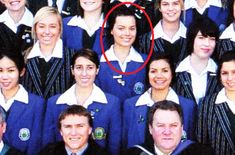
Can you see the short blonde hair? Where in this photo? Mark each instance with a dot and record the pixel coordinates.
(43, 13)
(159, 3)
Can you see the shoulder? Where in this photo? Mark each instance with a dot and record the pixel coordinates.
(197, 149)
(95, 149)
(13, 151)
(54, 148)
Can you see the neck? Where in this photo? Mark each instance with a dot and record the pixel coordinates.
(16, 15)
(8, 94)
(159, 95)
(230, 95)
(46, 50)
(170, 29)
(92, 18)
(201, 3)
(197, 63)
(121, 52)
(82, 93)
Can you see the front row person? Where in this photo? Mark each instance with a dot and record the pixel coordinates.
(104, 108)
(160, 74)
(165, 121)
(75, 125)
(24, 111)
(5, 149)
(217, 114)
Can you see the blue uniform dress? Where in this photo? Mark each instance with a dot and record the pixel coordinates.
(122, 86)
(136, 112)
(105, 111)
(175, 47)
(216, 123)
(226, 41)
(213, 10)
(25, 114)
(58, 78)
(73, 33)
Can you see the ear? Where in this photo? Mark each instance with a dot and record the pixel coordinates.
(4, 126)
(112, 31)
(72, 70)
(90, 130)
(150, 129)
(22, 72)
(97, 71)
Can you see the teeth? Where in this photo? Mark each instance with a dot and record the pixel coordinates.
(15, 3)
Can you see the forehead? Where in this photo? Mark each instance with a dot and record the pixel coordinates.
(125, 20)
(229, 65)
(74, 119)
(162, 63)
(49, 19)
(166, 116)
(5, 61)
(172, 1)
(83, 60)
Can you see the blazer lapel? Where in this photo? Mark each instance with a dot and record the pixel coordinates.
(221, 111)
(212, 83)
(34, 72)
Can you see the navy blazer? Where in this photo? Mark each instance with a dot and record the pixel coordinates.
(106, 118)
(69, 7)
(214, 127)
(24, 125)
(135, 120)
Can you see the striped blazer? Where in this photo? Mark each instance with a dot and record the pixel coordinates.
(180, 46)
(223, 46)
(58, 79)
(214, 126)
(183, 85)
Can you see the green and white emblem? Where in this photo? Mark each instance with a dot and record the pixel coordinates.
(24, 134)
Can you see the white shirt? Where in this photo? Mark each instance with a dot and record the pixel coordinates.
(27, 20)
(21, 95)
(59, 3)
(132, 56)
(193, 4)
(80, 22)
(199, 81)
(57, 51)
(229, 33)
(221, 97)
(1, 145)
(69, 97)
(159, 33)
(146, 99)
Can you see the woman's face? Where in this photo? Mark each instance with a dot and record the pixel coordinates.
(203, 46)
(84, 72)
(13, 5)
(227, 75)
(91, 5)
(171, 10)
(9, 75)
(160, 74)
(48, 30)
(124, 31)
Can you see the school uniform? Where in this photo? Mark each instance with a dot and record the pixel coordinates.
(136, 112)
(7, 150)
(16, 35)
(25, 114)
(48, 76)
(193, 86)
(212, 9)
(65, 7)
(59, 148)
(120, 85)
(176, 47)
(216, 123)
(77, 35)
(226, 41)
(105, 111)
(187, 147)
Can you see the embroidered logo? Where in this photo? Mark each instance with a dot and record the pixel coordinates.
(139, 88)
(184, 136)
(99, 134)
(24, 134)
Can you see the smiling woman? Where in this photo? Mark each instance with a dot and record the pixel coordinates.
(48, 62)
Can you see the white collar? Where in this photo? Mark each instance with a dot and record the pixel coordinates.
(27, 19)
(158, 151)
(221, 97)
(185, 65)
(133, 56)
(57, 51)
(145, 99)
(159, 33)
(193, 4)
(80, 22)
(229, 33)
(21, 95)
(1, 145)
(69, 97)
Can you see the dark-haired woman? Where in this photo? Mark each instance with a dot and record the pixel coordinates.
(104, 108)
(216, 125)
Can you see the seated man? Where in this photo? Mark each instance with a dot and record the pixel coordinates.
(4, 148)
(165, 122)
(75, 125)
